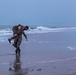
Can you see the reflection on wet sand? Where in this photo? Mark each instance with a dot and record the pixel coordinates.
(16, 69)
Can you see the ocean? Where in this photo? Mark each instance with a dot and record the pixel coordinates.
(48, 51)
(6, 30)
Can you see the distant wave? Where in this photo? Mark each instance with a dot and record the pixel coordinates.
(5, 32)
(71, 48)
(39, 29)
(42, 29)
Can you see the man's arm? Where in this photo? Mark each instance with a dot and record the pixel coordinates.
(25, 35)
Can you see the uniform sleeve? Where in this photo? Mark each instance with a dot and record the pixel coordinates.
(24, 35)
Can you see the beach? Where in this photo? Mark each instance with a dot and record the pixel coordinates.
(52, 53)
(44, 32)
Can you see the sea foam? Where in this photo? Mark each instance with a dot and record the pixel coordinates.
(39, 29)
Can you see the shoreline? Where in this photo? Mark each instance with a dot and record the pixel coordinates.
(43, 54)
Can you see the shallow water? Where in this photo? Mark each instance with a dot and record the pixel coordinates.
(42, 50)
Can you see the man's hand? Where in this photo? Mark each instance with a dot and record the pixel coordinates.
(15, 34)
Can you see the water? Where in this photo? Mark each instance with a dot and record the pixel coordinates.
(56, 38)
(6, 30)
(46, 46)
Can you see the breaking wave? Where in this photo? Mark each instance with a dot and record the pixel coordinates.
(42, 29)
(39, 29)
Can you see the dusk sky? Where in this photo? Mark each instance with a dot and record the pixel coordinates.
(38, 12)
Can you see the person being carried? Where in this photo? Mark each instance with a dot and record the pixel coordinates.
(17, 35)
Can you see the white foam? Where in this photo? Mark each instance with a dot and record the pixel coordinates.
(5, 32)
(71, 48)
(40, 29)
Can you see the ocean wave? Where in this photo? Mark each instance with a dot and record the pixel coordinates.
(42, 29)
(5, 32)
(71, 48)
(39, 29)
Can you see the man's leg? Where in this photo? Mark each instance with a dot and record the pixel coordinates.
(18, 43)
(15, 42)
(11, 39)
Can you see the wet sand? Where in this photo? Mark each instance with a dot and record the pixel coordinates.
(43, 54)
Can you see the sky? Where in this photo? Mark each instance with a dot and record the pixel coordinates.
(38, 12)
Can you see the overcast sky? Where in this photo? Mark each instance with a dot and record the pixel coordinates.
(34, 12)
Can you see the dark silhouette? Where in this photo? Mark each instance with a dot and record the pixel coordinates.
(17, 36)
